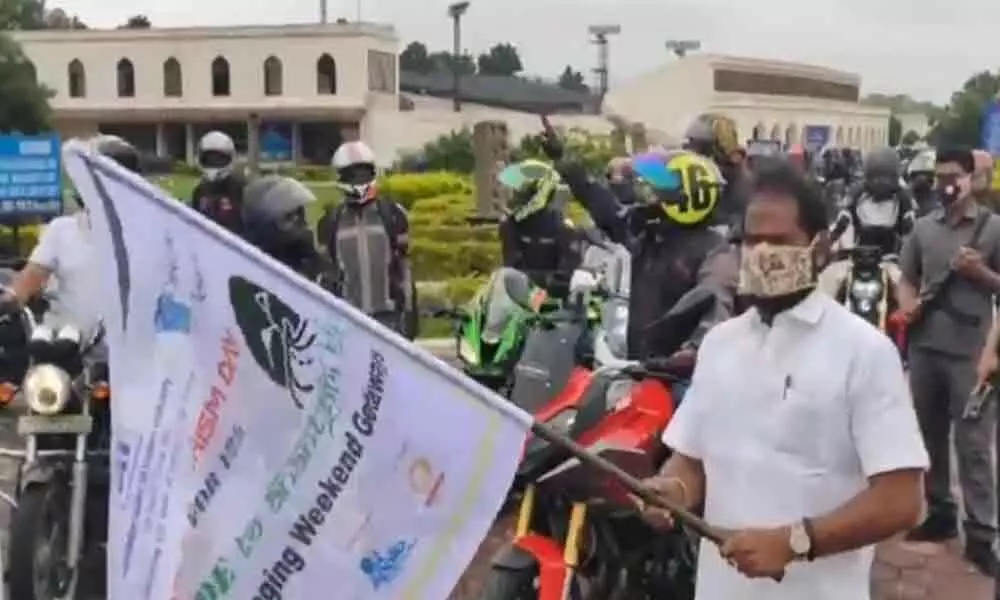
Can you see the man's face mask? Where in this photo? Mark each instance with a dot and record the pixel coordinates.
(951, 187)
(775, 277)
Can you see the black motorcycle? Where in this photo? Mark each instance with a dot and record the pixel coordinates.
(868, 290)
(59, 527)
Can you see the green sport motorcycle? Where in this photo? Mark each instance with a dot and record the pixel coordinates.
(492, 328)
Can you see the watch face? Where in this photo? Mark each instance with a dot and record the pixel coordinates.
(799, 540)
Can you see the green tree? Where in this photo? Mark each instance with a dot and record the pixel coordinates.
(443, 61)
(451, 152)
(415, 57)
(571, 79)
(909, 138)
(501, 59)
(895, 130)
(962, 121)
(32, 14)
(24, 105)
(137, 22)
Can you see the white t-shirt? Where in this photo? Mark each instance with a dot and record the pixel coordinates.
(65, 249)
(789, 421)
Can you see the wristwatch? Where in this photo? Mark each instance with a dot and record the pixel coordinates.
(800, 540)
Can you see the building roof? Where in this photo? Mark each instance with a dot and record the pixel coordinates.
(501, 92)
(291, 30)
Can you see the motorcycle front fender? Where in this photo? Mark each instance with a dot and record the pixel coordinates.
(535, 551)
(39, 472)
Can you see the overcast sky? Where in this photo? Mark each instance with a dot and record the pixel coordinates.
(925, 48)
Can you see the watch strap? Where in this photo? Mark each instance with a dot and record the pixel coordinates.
(807, 526)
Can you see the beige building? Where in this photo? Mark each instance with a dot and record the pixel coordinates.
(312, 86)
(790, 102)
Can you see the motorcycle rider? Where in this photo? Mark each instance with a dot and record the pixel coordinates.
(715, 137)
(621, 180)
(219, 193)
(834, 176)
(274, 220)
(673, 248)
(879, 213)
(535, 236)
(920, 181)
(367, 239)
(63, 256)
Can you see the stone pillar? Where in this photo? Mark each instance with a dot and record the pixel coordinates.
(296, 142)
(189, 143)
(490, 150)
(161, 139)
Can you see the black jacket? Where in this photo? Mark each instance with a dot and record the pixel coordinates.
(667, 262)
(221, 201)
(543, 245)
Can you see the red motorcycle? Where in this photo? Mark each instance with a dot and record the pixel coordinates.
(578, 533)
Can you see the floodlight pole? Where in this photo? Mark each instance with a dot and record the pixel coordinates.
(455, 11)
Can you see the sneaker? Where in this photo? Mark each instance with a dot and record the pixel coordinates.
(982, 556)
(935, 528)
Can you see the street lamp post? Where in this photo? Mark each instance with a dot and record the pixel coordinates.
(681, 48)
(455, 11)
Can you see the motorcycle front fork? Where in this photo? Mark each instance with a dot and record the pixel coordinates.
(77, 514)
(571, 545)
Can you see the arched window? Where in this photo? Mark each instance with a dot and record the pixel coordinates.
(758, 132)
(173, 80)
(326, 75)
(126, 79)
(77, 79)
(272, 76)
(776, 133)
(220, 77)
(791, 135)
(839, 139)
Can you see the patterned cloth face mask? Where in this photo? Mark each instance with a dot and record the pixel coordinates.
(776, 271)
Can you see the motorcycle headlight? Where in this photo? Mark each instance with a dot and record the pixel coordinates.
(869, 291)
(47, 389)
(465, 350)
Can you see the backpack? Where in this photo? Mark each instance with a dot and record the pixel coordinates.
(394, 219)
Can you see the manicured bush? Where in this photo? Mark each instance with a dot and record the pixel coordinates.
(409, 188)
(437, 261)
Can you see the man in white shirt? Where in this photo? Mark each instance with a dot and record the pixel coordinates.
(62, 261)
(798, 432)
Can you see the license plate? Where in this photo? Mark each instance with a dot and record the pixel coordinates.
(59, 424)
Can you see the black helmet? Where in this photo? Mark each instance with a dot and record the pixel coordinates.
(274, 219)
(119, 151)
(882, 162)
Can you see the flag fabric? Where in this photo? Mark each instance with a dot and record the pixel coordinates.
(269, 441)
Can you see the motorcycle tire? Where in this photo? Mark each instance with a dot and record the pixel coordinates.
(28, 526)
(508, 584)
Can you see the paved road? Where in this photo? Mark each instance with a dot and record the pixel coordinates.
(902, 571)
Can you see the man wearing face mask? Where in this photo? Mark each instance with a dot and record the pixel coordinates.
(367, 238)
(950, 265)
(920, 179)
(797, 435)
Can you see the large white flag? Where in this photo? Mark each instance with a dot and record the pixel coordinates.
(270, 442)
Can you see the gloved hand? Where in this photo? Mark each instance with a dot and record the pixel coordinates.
(552, 145)
(680, 362)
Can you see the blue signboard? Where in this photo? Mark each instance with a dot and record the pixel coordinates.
(30, 175)
(817, 137)
(991, 129)
(276, 142)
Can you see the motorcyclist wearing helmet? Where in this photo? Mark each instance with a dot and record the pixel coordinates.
(621, 180)
(920, 180)
(367, 239)
(535, 236)
(668, 235)
(274, 219)
(64, 255)
(219, 193)
(833, 176)
(879, 212)
(715, 137)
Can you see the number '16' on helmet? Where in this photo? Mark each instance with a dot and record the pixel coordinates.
(688, 186)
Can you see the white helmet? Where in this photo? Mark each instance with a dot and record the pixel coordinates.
(921, 163)
(354, 163)
(216, 155)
